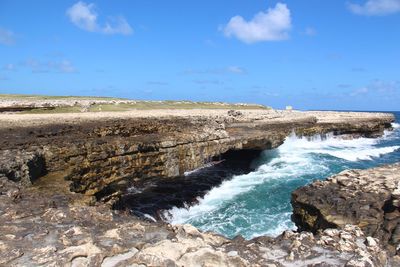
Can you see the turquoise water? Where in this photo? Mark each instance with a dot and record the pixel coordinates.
(258, 203)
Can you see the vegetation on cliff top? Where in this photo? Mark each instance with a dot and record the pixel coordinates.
(70, 104)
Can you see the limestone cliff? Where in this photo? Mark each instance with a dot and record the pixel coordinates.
(102, 156)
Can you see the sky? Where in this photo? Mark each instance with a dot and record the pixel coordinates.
(310, 54)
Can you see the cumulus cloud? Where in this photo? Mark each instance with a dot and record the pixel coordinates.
(271, 25)
(85, 17)
(375, 7)
(7, 37)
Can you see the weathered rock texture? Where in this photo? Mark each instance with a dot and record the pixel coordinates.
(21, 166)
(369, 199)
(104, 153)
(46, 225)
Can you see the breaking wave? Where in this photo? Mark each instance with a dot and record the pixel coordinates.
(258, 203)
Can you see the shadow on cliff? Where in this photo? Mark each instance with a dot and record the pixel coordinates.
(156, 195)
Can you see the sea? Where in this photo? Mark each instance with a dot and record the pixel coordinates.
(258, 203)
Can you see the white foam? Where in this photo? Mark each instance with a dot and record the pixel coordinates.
(151, 218)
(281, 226)
(294, 158)
(289, 163)
(347, 149)
(396, 125)
(208, 165)
(214, 198)
(362, 154)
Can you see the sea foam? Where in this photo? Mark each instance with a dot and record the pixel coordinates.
(226, 208)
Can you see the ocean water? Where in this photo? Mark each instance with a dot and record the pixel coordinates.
(258, 203)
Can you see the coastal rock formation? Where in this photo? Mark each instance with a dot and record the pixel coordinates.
(43, 222)
(105, 153)
(48, 225)
(369, 199)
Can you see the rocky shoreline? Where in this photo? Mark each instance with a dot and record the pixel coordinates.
(60, 174)
(47, 225)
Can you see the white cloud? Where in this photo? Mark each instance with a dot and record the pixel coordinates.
(7, 37)
(84, 16)
(118, 25)
(271, 25)
(375, 7)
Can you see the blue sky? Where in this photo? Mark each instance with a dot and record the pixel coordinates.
(309, 54)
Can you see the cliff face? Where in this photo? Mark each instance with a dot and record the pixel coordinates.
(102, 157)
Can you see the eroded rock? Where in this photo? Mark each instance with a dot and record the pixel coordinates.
(47, 224)
(367, 198)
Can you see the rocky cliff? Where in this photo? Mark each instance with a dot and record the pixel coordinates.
(43, 222)
(103, 155)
